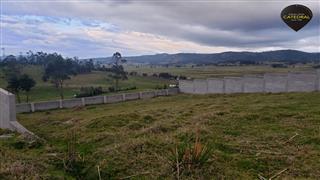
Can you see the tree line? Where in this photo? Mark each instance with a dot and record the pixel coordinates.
(57, 70)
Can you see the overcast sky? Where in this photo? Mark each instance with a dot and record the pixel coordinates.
(98, 28)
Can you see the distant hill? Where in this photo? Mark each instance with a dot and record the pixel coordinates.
(289, 56)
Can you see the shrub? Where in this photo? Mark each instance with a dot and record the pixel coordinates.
(73, 163)
(89, 91)
(188, 156)
(112, 89)
(165, 86)
(167, 76)
(133, 73)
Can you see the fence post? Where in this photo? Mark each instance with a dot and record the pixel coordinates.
(83, 100)
(207, 91)
(242, 84)
(264, 83)
(223, 85)
(7, 109)
(287, 82)
(167, 92)
(8, 113)
(193, 87)
(123, 97)
(318, 80)
(60, 104)
(104, 99)
(32, 107)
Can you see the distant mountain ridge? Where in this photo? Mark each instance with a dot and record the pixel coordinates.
(290, 56)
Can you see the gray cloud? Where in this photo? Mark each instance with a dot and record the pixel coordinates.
(240, 24)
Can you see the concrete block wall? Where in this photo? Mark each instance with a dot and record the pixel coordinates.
(146, 95)
(7, 110)
(318, 80)
(171, 91)
(270, 82)
(186, 86)
(253, 84)
(25, 107)
(70, 103)
(200, 86)
(8, 113)
(132, 96)
(45, 105)
(275, 83)
(215, 85)
(94, 100)
(163, 92)
(116, 98)
(298, 82)
(233, 85)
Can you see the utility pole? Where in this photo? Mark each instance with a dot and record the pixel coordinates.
(3, 54)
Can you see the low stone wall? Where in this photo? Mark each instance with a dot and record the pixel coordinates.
(273, 83)
(77, 102)
(8, 113)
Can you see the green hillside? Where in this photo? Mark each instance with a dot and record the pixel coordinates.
(250, 136)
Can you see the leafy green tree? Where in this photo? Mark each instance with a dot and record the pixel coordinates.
(18, 83)
(14, 86)
(11, 67)
(26, 84)
(58, 70)
(117, 70)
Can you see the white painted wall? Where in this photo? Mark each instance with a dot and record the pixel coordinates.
(270, 82)
(8, 113)
(215, 85)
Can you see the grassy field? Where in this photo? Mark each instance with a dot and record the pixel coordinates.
(250, 135)
(46, 91)
(215, 71)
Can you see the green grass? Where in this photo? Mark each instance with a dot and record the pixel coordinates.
(215, 71)
(250, 134)
(46, 91)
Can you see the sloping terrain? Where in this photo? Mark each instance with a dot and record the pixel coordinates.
(250, 136)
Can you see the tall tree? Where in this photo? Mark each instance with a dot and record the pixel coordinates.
(58, 70)
(26, 83)
(14, 86)
(11, 67)
(117, 70)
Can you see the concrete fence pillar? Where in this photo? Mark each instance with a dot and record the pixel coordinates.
(224, 86)
(8, 113)
(242, 84)
(7, 109)
(318, 80)
(104, 99)
(32, 107)
(287, 82)
(193, 86)
(83, 101)
(167, 92)
(264, 83)
(60, 104)
(124, 97)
